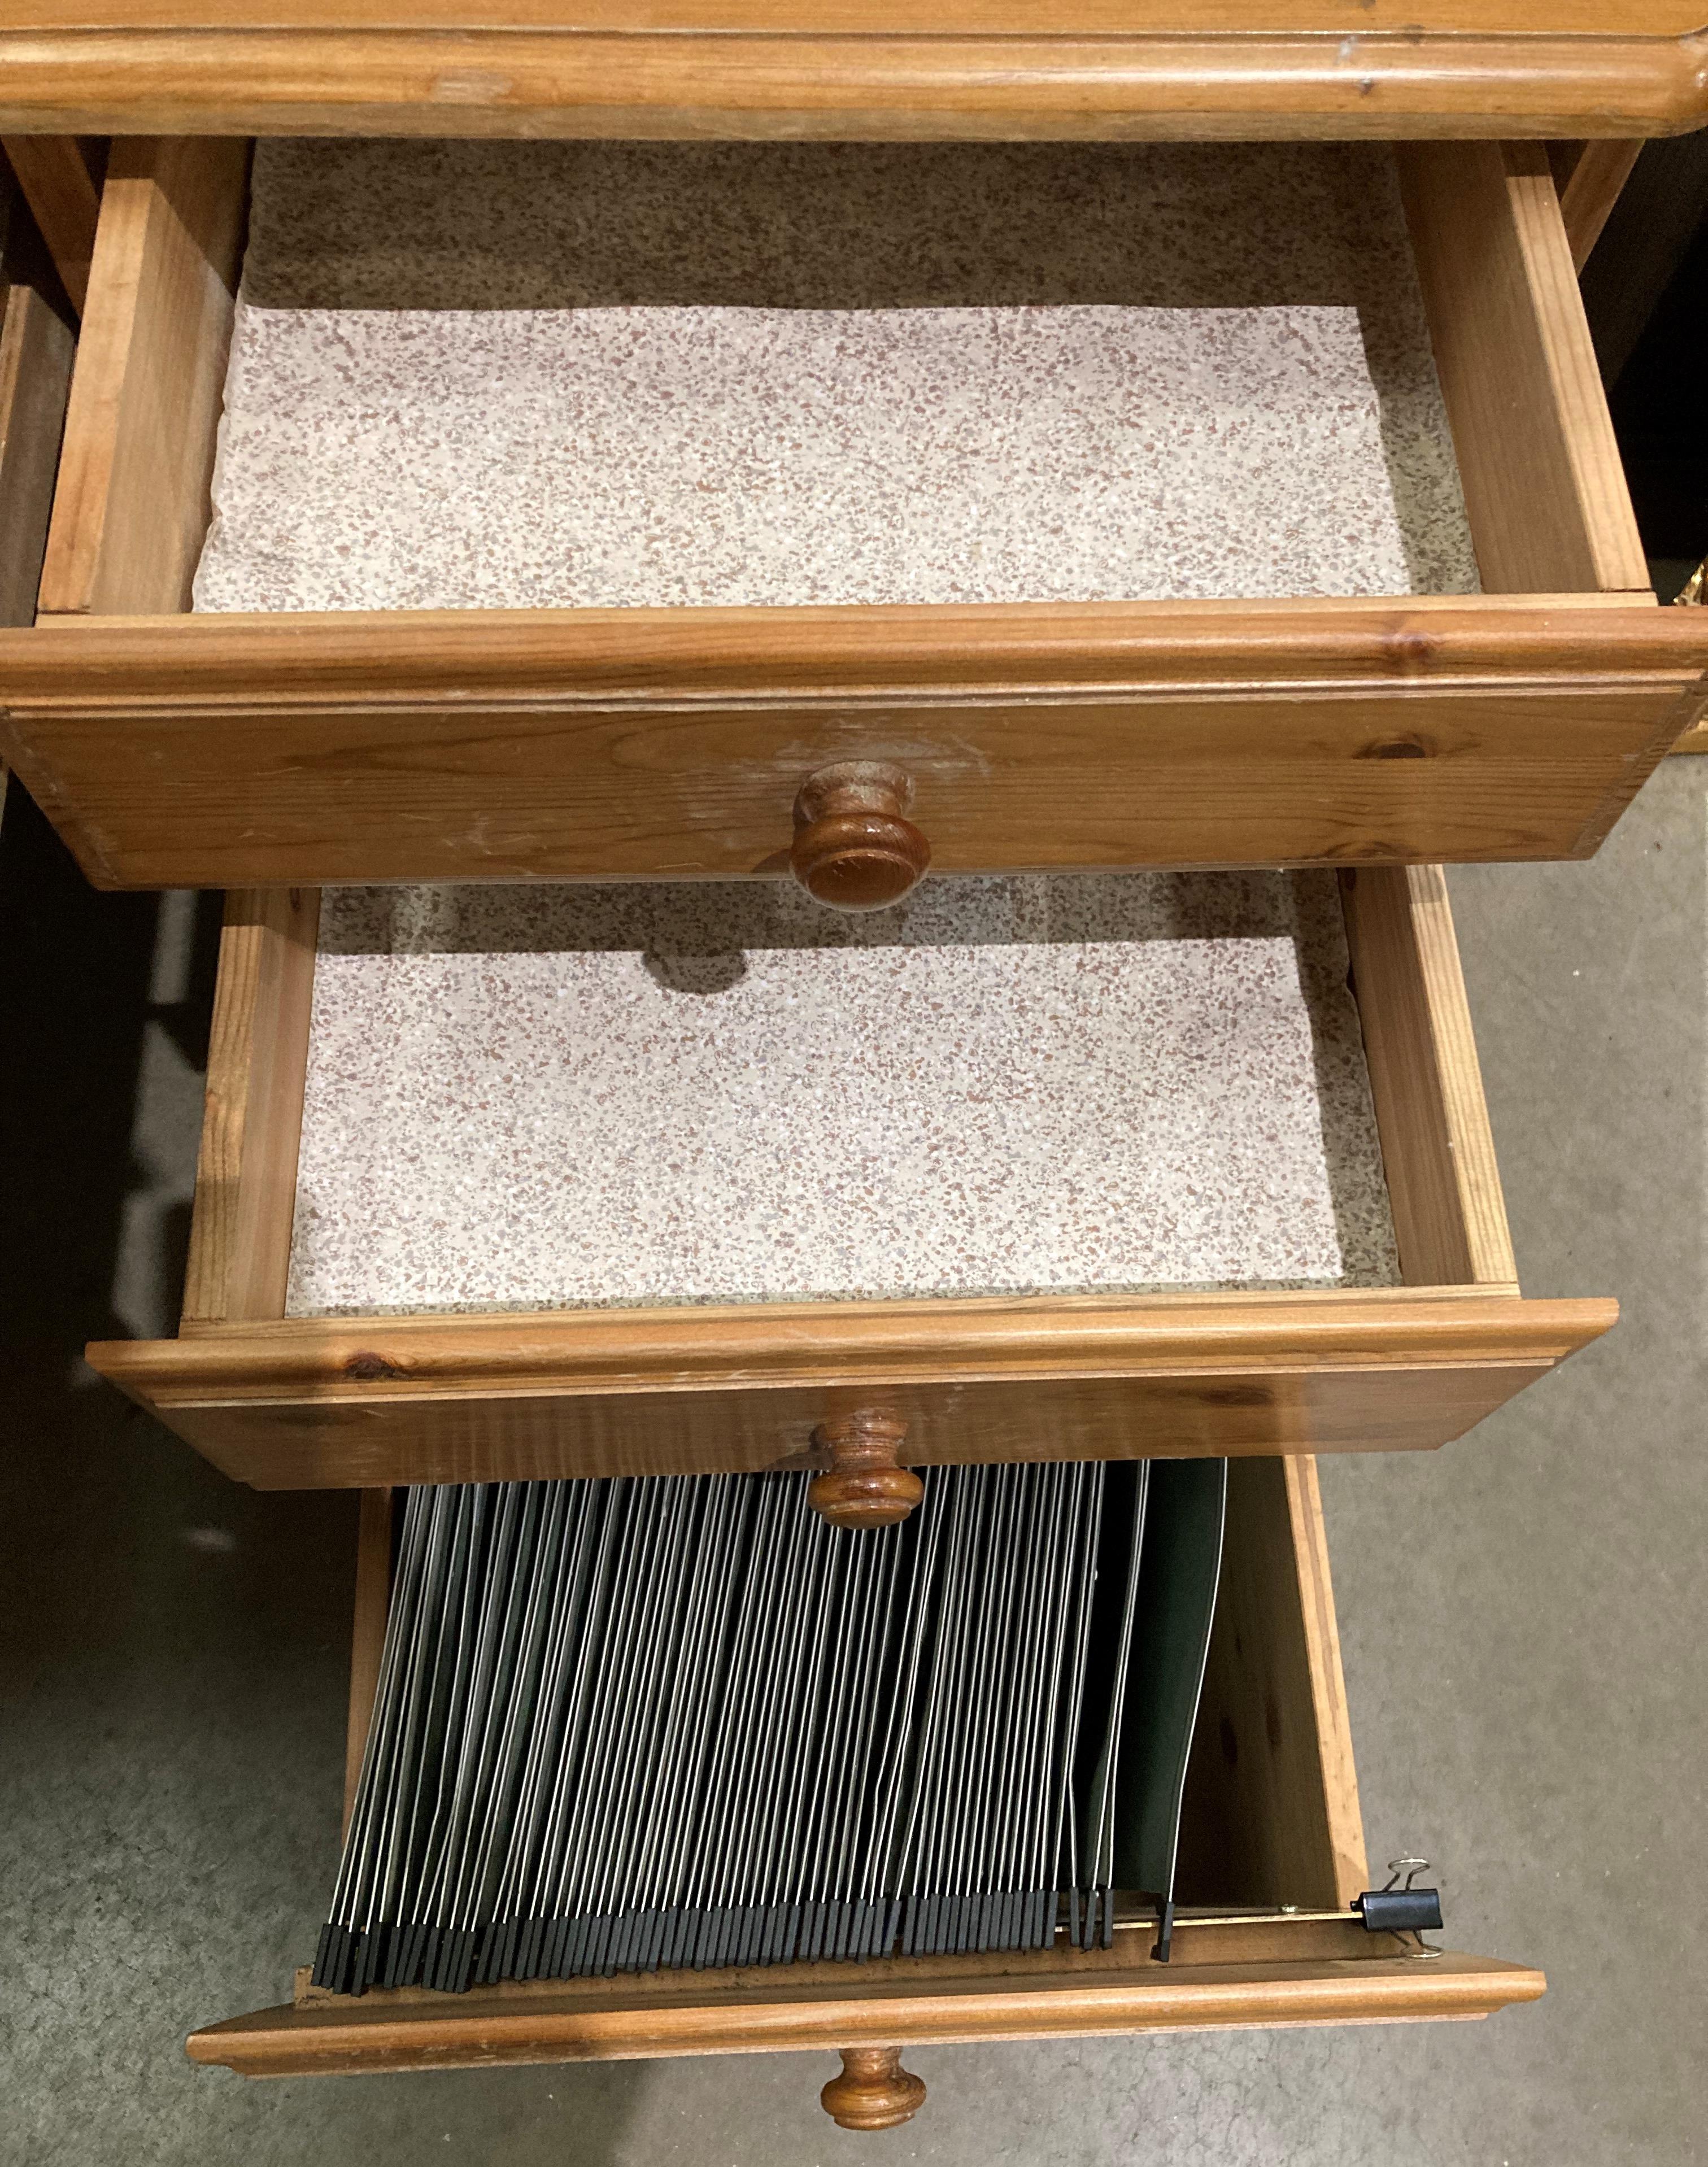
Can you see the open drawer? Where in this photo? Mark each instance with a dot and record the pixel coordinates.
(309, 740)
(605, 1382)
(1272, 1857)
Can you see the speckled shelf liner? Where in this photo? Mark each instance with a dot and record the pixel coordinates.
(529, 1098)
(539, 375)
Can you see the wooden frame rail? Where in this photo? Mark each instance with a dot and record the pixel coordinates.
(858, 69)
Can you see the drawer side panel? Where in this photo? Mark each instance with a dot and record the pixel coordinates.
(133, 501)
(1438, 1152)
(1271, 1813)
(1543, 484)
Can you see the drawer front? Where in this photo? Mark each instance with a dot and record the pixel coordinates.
(1272, 1819)
(315, 1402)
(307, 1404)
(645, 745)
(1245, 1981)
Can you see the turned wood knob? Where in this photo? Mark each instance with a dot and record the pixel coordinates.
(873, 2091)
(862, 1485)
(853, 848)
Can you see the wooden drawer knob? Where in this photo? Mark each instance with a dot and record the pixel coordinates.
(873, 2091)
(862, 1485)
(853, 848)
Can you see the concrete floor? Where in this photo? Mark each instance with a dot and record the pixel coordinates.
(1523, 1613)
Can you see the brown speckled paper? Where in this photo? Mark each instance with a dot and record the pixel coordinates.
(529, 1098)
(574, 374)
(539, 375)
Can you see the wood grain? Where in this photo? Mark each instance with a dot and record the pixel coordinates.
(1417, 19)
(133, 506)
(64, 199)
(1544, 486)
(328, 1403)
(626, 2023)
(230, 751)
(1271, 1812)
(251, 1120)
(367, 1631)
(1590, 190)
(1437, 1149)
(872, 2091)
(858, 68)
(1330, 1733)
(35, 370)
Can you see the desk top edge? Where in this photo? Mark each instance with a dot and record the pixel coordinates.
(857, 69)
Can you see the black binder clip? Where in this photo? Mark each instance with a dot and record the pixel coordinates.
(1407, 1910)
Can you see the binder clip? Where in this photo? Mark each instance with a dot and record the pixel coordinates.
(1407, 1910)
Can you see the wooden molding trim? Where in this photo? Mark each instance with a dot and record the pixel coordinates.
(326, 1403)
(1695, 737)
(372, 1361)
(368, 2034)
(854, 72)
(387, 656)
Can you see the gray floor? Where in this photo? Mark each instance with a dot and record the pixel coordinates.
(1523, 1616)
